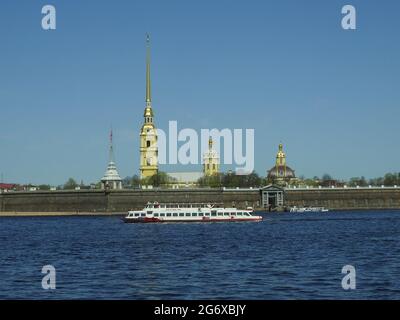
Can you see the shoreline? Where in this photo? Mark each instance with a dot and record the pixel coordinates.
(61, 214)
(12, 214)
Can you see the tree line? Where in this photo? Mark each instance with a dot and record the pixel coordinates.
(232, 180)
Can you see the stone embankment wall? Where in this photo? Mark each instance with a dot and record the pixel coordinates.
(124, 200)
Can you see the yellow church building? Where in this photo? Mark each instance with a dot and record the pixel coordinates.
(210, 160)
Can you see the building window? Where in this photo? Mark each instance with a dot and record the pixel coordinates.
(148, 143)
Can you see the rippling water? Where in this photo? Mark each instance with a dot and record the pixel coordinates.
(287, 256)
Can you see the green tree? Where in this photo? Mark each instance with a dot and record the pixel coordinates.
(70, 184)
(158, 180)
(390, 179)
(326, 177)
(231, 180)
(353, 182)
(213, 181)
(135, 181)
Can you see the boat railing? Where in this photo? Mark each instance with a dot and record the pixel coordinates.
(183, 205)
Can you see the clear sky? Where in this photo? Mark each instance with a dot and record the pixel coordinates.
(285, 68)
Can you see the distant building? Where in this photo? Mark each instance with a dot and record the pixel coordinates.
(332, 183)
(111, 179)
(211, 160)
(184, 179)
(281, 174)
(148, 133)
(8, 187)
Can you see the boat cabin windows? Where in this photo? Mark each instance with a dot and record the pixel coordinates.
(156, 214)
(137, 214)
(162, 214)
(175, 214)
(239, 213)
(213, 214)
(201, 214)
(194, 214)
(233, 213)
(207, 214)
(142, 214)
(220, 214)
(226, 214)
(168, 214)
(188, 214)
(181, 214)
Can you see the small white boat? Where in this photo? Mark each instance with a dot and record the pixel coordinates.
(189, 212)
(295, 209)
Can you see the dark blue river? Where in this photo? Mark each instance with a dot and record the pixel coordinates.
(287, 256)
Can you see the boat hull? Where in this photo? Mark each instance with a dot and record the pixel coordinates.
(157, 220)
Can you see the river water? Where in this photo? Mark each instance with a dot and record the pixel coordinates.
(287, 256)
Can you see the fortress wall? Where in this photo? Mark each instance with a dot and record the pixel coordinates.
(363, 198)
(98, 200)
(124, 200)
(53, 201)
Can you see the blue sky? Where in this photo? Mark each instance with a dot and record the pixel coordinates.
(285, 68)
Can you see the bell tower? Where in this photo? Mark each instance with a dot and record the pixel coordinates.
(148, 133)
(211, 160)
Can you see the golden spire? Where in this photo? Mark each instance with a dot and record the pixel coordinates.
(148, 83)
(148, 111)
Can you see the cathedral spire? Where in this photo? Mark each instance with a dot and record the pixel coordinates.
(148, 133)
(111, 154)
(111, 179)
(148, 81)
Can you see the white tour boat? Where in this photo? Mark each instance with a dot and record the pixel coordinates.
(189, 212)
